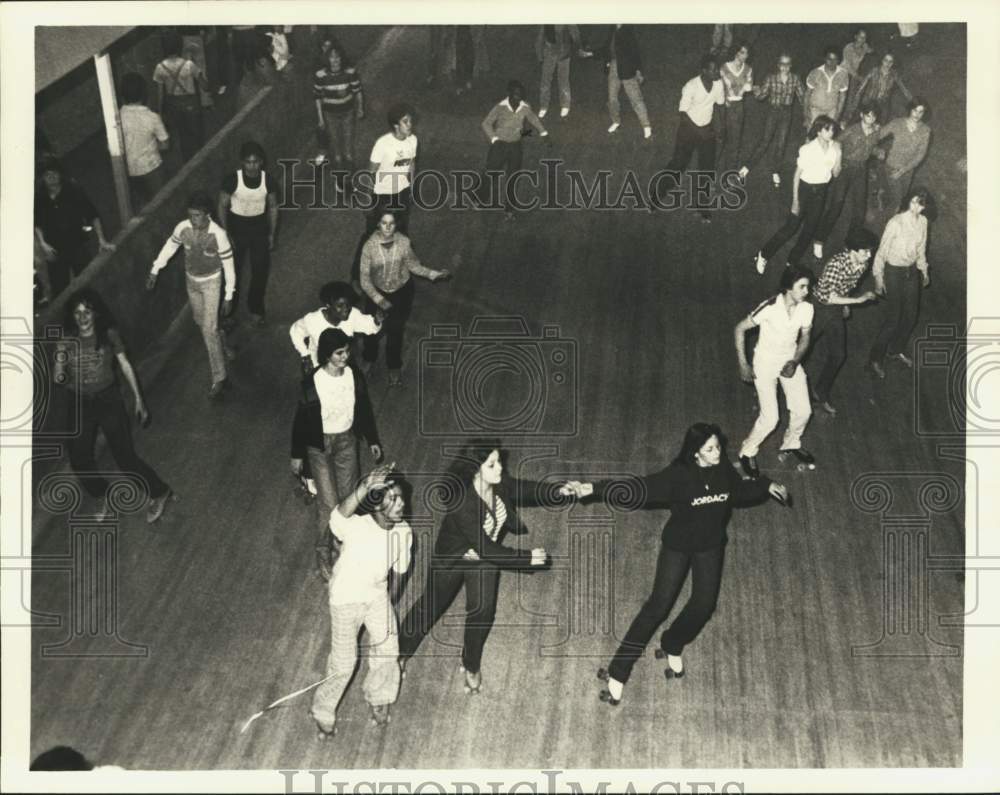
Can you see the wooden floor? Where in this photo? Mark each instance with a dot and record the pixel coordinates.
(791, 671)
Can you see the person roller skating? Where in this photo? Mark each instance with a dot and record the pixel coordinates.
(785, 321)
(700, 487)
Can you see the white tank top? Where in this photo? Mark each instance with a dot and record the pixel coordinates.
(249, 201)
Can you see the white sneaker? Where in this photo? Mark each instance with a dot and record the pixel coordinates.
(542, 112)
(564, 113)
(818, 250)
(743, 173)
(761, 263)
(319, 160)
(776, 179)
(647, 132)
(614, 126)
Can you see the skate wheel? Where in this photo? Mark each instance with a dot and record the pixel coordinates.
(670, 673)
(606, 697)
(660, 654)
(603, 675)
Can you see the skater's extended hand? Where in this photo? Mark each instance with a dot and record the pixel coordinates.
(795, 207)
(926, 279)
(746, 373)
(576, 488)
(141, 414)
(442, 275)
(470, 554)
(307, 365)
(789, 369)
(868, 295)
(378, 477)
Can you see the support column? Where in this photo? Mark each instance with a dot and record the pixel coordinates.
(116, 142)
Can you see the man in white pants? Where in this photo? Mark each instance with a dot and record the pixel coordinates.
(374, 545)
(785, 321)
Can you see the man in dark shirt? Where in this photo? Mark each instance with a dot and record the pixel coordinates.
(248, 211)
(64, 219)
(857, 144)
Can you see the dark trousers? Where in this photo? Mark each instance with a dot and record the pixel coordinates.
(107, 411)
(692, 138)
(71, 258)
(671, 570)
(777, 122)
(811, 199)
(502, 158)
(250, 241)
(183, 118)
(899, 315)
(399, 203)
(829, 347)
(733, 136)
(895, 189)
(481, 581)
(851, 184)
(146, 186)
(465, 55)
(392, 327)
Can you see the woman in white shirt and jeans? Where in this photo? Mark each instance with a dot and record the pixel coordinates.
(818, 164)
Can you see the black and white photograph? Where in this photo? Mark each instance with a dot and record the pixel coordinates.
(578, 398)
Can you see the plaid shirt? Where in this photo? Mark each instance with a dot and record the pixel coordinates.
(877, 85)
(840, 277)
(782, 94)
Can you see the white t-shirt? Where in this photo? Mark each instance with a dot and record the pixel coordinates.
(306, 330)
(779, 329)
(369, 552)
(336, 399)
(816, 163)
(394, 158)
(698, 103)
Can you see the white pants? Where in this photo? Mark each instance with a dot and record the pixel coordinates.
(766, 377)
(381, 685)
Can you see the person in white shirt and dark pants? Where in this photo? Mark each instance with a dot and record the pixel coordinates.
(700, 126)
(818, 163)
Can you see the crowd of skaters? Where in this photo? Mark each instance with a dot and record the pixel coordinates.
(362, 540)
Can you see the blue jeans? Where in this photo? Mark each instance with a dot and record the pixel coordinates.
(335, 470)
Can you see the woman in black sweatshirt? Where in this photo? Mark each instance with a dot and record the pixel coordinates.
(469, 551)
(700, 486)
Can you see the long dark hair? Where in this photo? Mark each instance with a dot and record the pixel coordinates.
(695, 438)
(103, 319)
(466, 463)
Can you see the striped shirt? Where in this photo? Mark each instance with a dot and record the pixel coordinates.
(207, 252)
(337, 90)
(782, 94)
(495, 518)
(840, 276)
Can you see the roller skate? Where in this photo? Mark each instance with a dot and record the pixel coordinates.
(801, 457)
(158, 505)
(605, 694)
(675, 665)
(749, 465)
(473, 681)
(379, 714)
